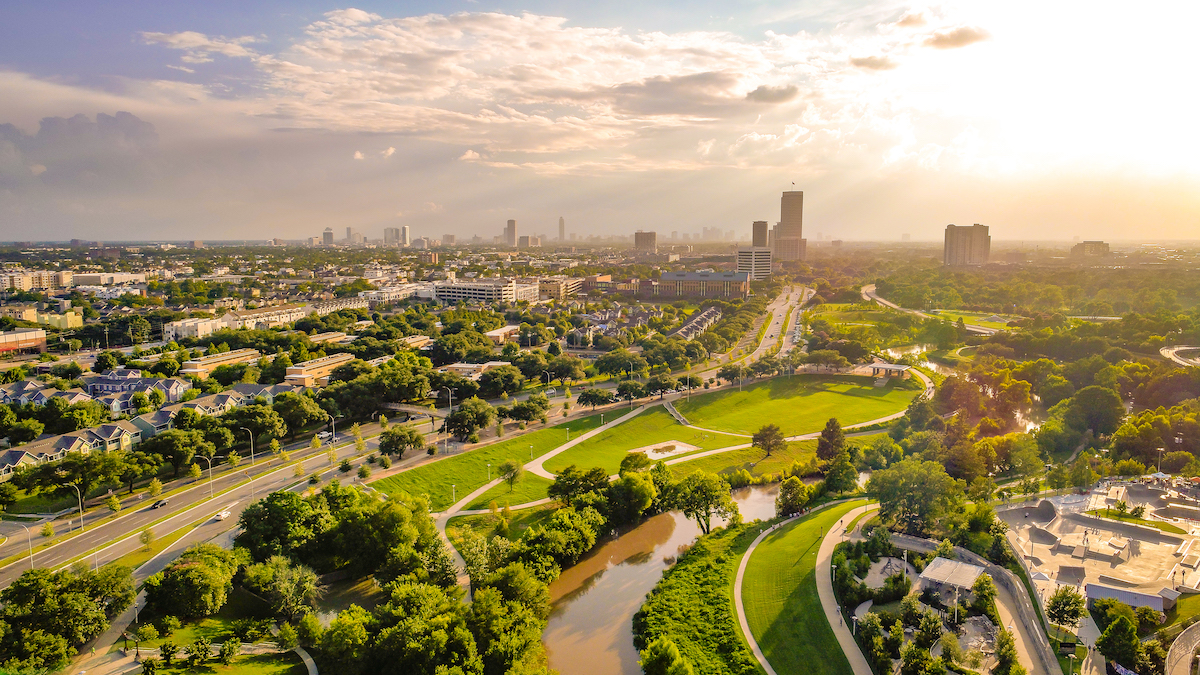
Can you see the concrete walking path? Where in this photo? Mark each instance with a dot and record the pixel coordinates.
(824, 571)
(536, 466)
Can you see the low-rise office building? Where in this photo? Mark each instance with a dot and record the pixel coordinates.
(203, 366)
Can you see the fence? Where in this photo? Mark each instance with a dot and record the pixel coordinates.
(1181, 651)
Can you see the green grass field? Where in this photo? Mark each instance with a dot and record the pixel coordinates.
(799, 404)
(779, 593)
(653, 426)
(522, 520)
(974, 318)
(530, 488)
(286, 663)
(241, 604)
(750, 459)
(468, 471)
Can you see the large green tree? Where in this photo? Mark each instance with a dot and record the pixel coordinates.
(913, 493)
(702, 497)
(769, 438)
(470, 416)
(196, 585)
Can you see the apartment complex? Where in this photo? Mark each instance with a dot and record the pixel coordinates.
(645, 242)
(966, 245)
(191, 328)
(389, 294)
(704, 284)
(315, 372)
(203, 366)
(559, 287)
(35, 280)
(265, 317)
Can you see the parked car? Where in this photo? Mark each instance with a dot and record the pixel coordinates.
(159, 504)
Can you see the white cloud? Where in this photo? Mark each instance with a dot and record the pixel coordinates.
(358, 154)
(389, 152)
(469, 155)
(199, 48)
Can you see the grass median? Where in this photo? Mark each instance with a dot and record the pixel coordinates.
(468, 471)
(799, 404)
(652, 427)
(779, 594)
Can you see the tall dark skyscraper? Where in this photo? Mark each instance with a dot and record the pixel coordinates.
(759, 237)
(645, 241)
(562, 229)
(510, 233)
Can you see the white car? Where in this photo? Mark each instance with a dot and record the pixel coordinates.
(551, 392)
(223, 515)
(323, 435)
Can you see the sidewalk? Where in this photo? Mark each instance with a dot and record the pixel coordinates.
(824, 571)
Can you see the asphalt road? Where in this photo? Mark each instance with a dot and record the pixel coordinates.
(868, 293)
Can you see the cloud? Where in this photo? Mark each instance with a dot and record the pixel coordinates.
(768, 94)
(78, 153)
(705, 147)
(358, 154)
(389, 152)
(911, 19)
(469, 156)
(199, 48)
(954, 38)
(873, 62)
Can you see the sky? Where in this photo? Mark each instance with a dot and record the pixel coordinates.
(126, 120)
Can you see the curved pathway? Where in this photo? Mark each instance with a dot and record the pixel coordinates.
(1172, 353)
(858, 662)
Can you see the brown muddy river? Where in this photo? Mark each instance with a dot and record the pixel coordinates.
(590, 631)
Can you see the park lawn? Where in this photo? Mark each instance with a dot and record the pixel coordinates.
(974, 318)
(799, 404)
(282, 663)
(241, 605)
(1113, 515)
(485, 524)
(750, 459)
(468, 471)
(1185, 608)
(779, 594)
(651, 427)
(530, 488)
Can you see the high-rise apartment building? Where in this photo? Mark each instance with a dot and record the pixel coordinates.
(759, 235)
(966, 245)
(645, 242)
(350, 232)
(789, 234)
(755, 261)
(391, 235)
(327, 236)
(448, 240)
(510, 233)
(562, 229)
(405, 236)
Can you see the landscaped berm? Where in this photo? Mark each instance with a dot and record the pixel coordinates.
(799, 404)
(779, 593)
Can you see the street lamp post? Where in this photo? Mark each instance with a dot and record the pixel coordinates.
(453, 495)
(530, 454)
(210, 480)
(446, 440)
(29, 541)
(251, 435)
(489, 471)
(333, 428)
(80, 495)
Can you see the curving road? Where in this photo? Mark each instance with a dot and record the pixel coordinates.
(1172, 353)
(868, 294)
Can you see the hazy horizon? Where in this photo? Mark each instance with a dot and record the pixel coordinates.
(221, 122)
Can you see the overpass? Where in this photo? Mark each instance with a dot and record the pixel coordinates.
(1172, 353)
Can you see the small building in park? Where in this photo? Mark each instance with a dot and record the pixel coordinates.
(943, 574)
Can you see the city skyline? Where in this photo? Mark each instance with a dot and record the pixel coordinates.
(894, 117)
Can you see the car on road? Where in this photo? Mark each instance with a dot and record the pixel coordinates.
(323, 435)
(223, 515)
(551, 392)
(159, 504)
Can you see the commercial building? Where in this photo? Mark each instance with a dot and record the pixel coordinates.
(324, 307)
(315, 372)
(449, 240)
(529, 241)
(330, 336)
(23, 341)
(472, 371)
(389, 294)
(476, 290)
(510, 233)
(109, 278)
(558, 287)
(966, 245)
(1090, 249)
(202, 367)
(503, 334)
(415, 341)
(110, 292)
(703, 284)
(562, 229)
(327, 237)
(758, 235)
(755, 261)
(391, 235)
(405, 236)
(191, 328)
(646, 242)
(789, 241)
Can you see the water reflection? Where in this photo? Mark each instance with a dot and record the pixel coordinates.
(591, 626)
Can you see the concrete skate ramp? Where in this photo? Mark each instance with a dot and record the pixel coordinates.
(1040, 535)
(1042, 514)
(1176, 510)
(1071, 574)
(1127, 530)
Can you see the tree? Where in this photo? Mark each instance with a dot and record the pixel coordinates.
(794, 495)
(595, 397)
(620, 361)
(630, 390)
(769, 439)
(137, 465)
(195, 472)
(106, 361)
(571, 483)
(147, 538)
(472, 415)
(913, 493)
(501, 381)
(662, 657)
(289, 587)
(832, 440)
(511, 471)
(841, 476)
(629, 496)
(567, 369)
(661, 384)
(703, 496)
(398, 440)
(732, 372)
(230, 649)
(1120, 642)
(178, 446)
(1097, 408)
(1006, 655)
(197, 584)
(85, 471)
(1066, 607)
(282, 523)
(25, 431)
(8, 495)
(634, 462)
(113, 503)
(261, 420)
(297, 411)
